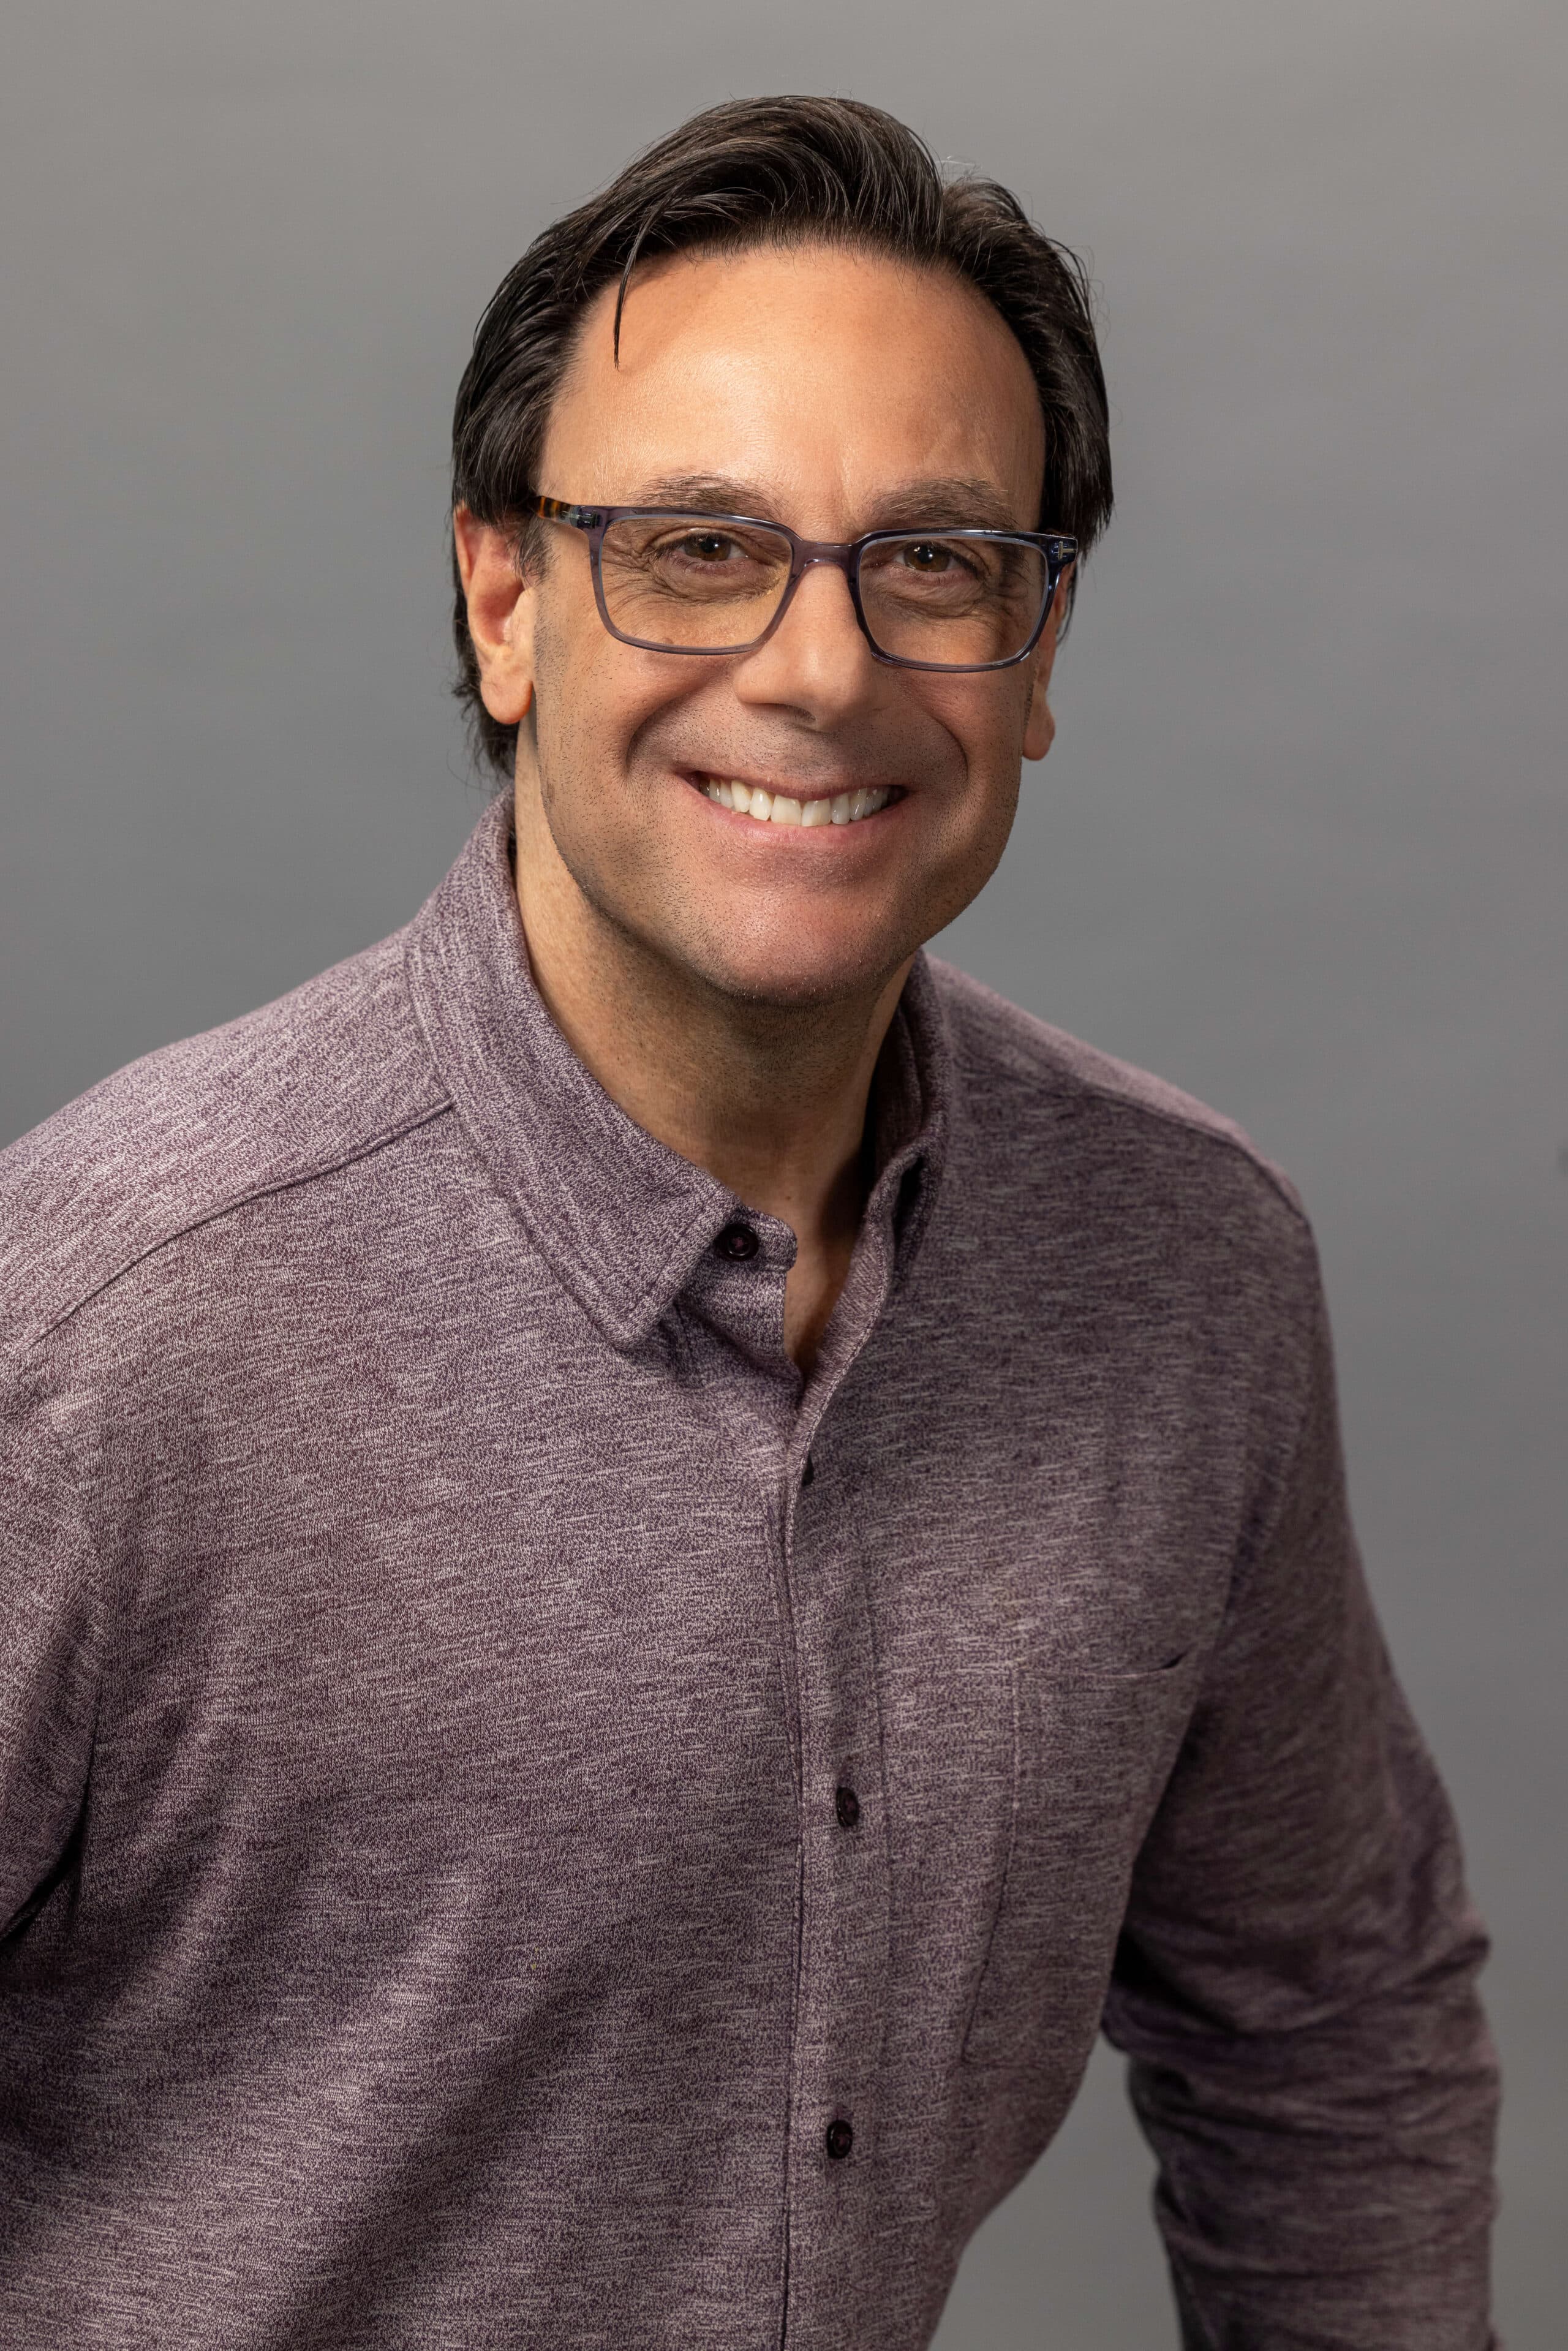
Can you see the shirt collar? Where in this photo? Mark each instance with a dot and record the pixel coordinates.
(624, 1220)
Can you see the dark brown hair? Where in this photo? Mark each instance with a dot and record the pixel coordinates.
(767, 170)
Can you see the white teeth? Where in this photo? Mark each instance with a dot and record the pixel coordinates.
(783, 808)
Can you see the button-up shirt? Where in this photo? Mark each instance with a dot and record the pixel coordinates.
(525, 1822)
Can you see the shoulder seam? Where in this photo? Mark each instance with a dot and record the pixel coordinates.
(226, 1207)
(1219, 1134)
(1065, 1082)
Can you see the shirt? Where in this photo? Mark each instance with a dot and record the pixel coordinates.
(524, 1823)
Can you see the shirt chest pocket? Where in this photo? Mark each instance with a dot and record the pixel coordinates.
(1091, 1752)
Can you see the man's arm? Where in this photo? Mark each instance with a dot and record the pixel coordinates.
(1295, 1986)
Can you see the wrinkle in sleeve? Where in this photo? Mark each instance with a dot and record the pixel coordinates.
(1295, 1982)
(49, 1627)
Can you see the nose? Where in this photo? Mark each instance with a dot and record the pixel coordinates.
(817, 662)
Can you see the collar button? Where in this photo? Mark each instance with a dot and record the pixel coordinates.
(737, 1242)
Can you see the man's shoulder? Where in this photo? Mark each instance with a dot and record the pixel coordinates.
(190, 1132)
(1028, 1087)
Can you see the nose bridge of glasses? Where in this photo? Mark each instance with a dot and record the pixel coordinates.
(837, 553)
(825, 554)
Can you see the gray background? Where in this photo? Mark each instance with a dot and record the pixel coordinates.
(1302, 844)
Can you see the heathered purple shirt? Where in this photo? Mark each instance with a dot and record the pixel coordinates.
(524, 1826)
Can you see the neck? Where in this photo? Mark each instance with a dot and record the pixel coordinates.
(770, 1100)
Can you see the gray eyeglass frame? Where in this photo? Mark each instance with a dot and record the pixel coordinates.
(843, 555)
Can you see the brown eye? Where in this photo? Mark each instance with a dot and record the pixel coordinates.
(927, 556)
(707, 547)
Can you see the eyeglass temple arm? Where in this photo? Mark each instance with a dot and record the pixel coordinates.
(559, 510)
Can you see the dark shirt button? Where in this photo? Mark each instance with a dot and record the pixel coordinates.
(841, 2138)
(737, 1242)
(809, 1472)
(847, 1806)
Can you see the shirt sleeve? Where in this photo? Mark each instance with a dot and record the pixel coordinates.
(49, 1635)
(1295, 1982)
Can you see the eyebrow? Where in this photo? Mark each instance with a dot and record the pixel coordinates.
(957, 502)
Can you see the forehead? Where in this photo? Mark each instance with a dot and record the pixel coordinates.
(823, 375)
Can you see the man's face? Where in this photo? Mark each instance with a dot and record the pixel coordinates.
(839, 393)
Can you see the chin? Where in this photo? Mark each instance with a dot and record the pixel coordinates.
(793, 975)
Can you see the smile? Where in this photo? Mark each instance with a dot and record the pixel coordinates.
(780, 808)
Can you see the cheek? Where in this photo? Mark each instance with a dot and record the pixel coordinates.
(985, 717)
(977, 821)
(580, 723)
(989, 728)
(596, 698)
(991, 814)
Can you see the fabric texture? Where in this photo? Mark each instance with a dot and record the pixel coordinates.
(524, 1823)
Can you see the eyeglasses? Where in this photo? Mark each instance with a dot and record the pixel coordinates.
(674, 582)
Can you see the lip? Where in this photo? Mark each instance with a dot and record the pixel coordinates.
(818, 789)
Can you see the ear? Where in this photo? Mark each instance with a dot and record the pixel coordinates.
(500, 616)
(1039, 726)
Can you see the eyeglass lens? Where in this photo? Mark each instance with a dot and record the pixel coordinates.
(694, 583)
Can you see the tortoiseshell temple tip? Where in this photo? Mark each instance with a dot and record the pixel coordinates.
(559, 510)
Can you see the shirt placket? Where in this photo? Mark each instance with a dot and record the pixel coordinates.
(840, 2006)
(841, 1990)
(797, 1443)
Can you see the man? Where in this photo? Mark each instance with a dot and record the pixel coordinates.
(653, 1549)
